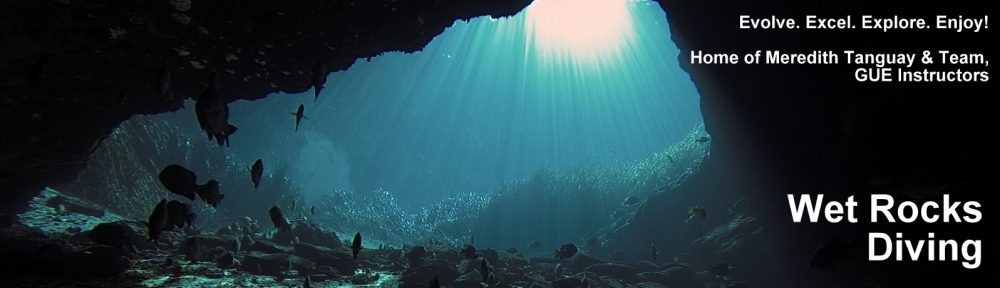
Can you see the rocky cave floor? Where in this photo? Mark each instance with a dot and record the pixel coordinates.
(66, 242)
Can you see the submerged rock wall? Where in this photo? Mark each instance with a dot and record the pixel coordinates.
(74, 70)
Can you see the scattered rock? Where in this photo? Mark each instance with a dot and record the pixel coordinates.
(535, 260)
(646, 266)
(308, 233)
(647, 285)
(416, 254)
(225, 261)
(613, 270)
(582, 261)
(679, 277)
(274, 264)
(419, 275)
(116, 234)
(71, 204)
(269, 247)
(471, 279)
(491, 255)
(339, 258)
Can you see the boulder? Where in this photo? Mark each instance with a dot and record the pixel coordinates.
(228, 243)
(646, 266)
(339, 258)
(116, 234)
(418, 276)
(274, 264)
(468, 280)
(307, 232)
(269, 247)
(72, 204)
(582, 261)
(679, 277)
(225, 261)
(491, 255)
(613, 270)
(534, 260)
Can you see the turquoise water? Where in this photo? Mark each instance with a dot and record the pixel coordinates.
(487, 102)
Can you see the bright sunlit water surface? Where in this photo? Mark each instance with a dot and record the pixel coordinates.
(488, 102)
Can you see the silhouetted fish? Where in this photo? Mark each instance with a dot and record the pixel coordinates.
(278, 219)
(299, 115)
(181, 181)
(318, 77)
(178, 214)
(631, 200)
(307, 283)
(702, 140)
(210, 194)
(356, 245)
(534, 244)
(312, 210)
(212, 112)
(566, 251)
(484, 269)
(157, 221)
(256, 171)
(696, 212)
(653, 252)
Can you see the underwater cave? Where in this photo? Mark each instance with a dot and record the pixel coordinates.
(502, 143)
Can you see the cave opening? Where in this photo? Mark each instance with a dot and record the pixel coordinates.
(561, 117)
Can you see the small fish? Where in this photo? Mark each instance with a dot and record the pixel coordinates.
(534, 244)
(356, 245)
(484, 269)
(696, 212)
(210, 194)
(653, 252)
(703, 140)
(178, 214)
(299, 115)
(318, 77)
(566, 251)
(434, 283)
(278, 219)
(157, 221)
(631, 200)
(472, 239)
(256, 171)
(307, 283)
(312, 210)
